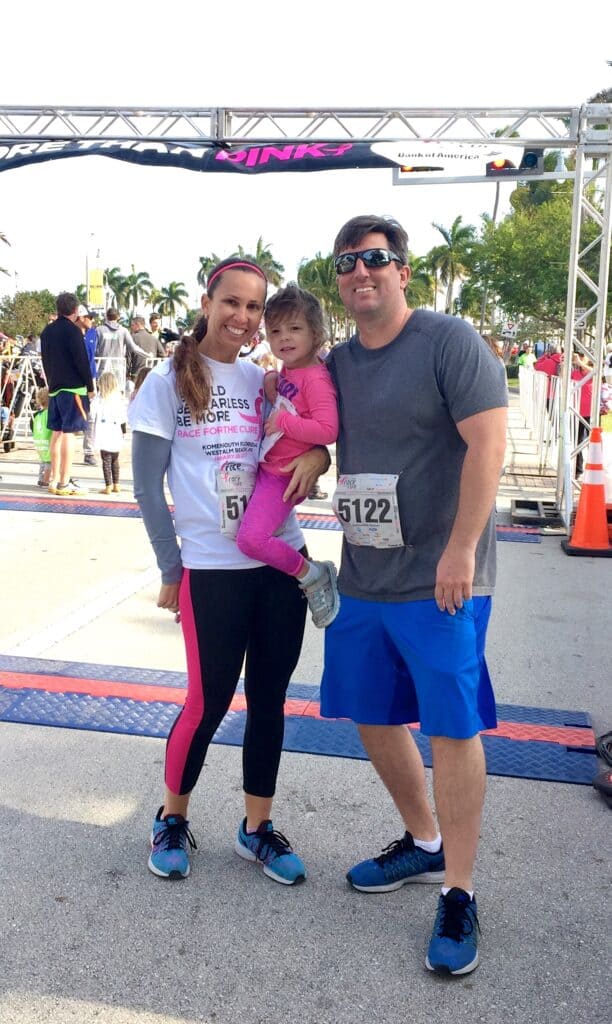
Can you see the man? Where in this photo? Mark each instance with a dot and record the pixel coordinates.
(145, 340)
(90, 340)
(70, 385)
(154, 325)
(422, 439)
(114, 346)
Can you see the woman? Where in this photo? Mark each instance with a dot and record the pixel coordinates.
(199, 417)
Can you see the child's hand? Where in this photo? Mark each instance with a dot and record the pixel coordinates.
(271, 426)
(271, 386)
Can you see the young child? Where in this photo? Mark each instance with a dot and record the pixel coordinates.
(41, 435)
(305, 414)
(109, 426)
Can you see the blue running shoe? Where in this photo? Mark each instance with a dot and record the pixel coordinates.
(399, 863)
(454, 942)
(273, 850)
(170, 837)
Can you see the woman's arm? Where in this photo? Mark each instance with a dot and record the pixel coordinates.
(150, 459)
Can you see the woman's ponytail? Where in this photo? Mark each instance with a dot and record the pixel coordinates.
(193, 378)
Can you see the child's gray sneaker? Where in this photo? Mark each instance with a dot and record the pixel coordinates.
(322, 595)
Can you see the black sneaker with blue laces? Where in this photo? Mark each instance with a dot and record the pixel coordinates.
(399, 863)
(454, 942)
(170, 839)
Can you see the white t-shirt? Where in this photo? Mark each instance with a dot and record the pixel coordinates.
(231, 431)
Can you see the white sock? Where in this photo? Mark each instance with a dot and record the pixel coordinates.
(431, 846)
(313, 574)
(446, 889)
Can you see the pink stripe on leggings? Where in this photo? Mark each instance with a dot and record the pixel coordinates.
(184, 729)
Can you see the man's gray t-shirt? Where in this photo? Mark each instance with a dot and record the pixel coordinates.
(398, 408)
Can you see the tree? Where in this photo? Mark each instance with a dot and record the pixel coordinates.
(171, 296)
(26, 312)
(263, 258)
(420, 290)
(318, 276)
(137, 286)
(450, 259)
(206, 265)
(114, 281)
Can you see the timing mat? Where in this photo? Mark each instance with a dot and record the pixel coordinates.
(530, 743)
(129, 509)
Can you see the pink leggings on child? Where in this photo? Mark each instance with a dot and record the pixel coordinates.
(265, 513)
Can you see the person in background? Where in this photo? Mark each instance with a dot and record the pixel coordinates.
(86, 322)
(41, 435)
(115, 347)
(109, 428)
(154, 325)
(147, 341)
(71, 387)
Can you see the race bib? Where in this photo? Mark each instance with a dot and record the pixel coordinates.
(281, 404)
(235, 485)
(367, 508)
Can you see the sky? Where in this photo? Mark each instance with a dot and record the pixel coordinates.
(60, 215)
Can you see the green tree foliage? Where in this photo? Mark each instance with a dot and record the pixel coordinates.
(318, 276)
(527, 256)
(26, 312)
(206, 265)
(171, 296)
(420, 290)
(263, 258)
(449, 260)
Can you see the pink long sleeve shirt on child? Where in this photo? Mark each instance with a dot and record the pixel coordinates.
(312, 393)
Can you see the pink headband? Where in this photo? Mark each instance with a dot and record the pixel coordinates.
(230, 266)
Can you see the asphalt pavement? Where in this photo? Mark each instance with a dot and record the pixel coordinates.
(89, 935)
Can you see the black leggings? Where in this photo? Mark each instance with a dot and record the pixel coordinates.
(110, 467)
(226, 614)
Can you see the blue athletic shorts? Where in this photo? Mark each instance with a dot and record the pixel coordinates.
(403, 662)
(68, 412)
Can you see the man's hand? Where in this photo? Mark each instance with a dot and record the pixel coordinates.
(306, 470)
(454, 578)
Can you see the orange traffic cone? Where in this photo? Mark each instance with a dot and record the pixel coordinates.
(590, 536)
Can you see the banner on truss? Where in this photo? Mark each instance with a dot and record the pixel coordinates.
(258, 158)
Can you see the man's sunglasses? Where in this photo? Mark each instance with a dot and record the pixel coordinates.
(346, 262)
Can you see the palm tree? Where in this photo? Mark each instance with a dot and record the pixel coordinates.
(114, 282)
(318, 276)
(420, 290)
(450, 257)
(138, 285)
(3, 238)
(263, 258)
(206, 265)
(171, 296)
(81, 293)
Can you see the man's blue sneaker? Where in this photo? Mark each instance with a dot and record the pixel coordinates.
(170, 838)
(271, 849)
(454, 942)
(400, 863)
